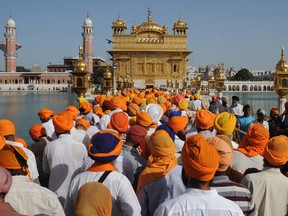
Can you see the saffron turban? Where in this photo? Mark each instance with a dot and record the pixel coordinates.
(116, 102)
(144, 119)
(83, 122)
(7, 127)
(276, 151)
(14, 157)
(178, 123)
(45, 113)
(136, 133)
(132, 121)
(225, 123)
(224, 150)
(254, 141)
(2, 141)
(164, 108)
(162, 159)
(22, 141)
(5, 180)
(151, 100)
(168, 104)
(191, 97)
(105, 146)
(37, 131)
(133, 108)
(178, 98)
(199, 158)
(85, 107)
(168, 129)
(196, 96)
(137, 100)
(119, 121)
(73, 111)
(62, 122)
(183, 104)
(93, 198)
(132, 95)
(214, 98)
(97, 110)
(204, 119)
(167, 96)
(155, 112)
(161, 99)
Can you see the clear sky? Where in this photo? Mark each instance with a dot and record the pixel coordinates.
(240, 33)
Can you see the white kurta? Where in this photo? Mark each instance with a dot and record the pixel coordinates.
(270, 191)
(63, 158)
(124, 200)
(50, 130)
(28, 198)
(199, 202)
(81, 136)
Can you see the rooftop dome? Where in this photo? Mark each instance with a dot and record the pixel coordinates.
(282, 65)
(10, 23)
(149, 25)
(119, 23)
(88, 22)
(180, 23)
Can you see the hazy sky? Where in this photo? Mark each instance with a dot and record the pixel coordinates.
(240, 33)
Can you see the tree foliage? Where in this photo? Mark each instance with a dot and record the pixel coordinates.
(243, 75)
(98, 75)
(22, 69)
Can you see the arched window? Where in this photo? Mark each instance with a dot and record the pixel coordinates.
(79, 82)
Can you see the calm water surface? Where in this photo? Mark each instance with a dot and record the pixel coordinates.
(22, 107)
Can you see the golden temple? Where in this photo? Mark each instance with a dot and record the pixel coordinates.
(149, 55)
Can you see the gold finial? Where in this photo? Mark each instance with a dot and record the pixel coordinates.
(80, 63)
(282, 54)
(149, 14)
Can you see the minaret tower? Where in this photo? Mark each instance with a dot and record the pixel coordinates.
(88, 43)
(9, 48)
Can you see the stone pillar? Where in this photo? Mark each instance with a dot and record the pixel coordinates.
(281, 103)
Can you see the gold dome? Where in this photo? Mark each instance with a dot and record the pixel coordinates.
(119, 79)
(180, 24)
(80, 63)
(149, 25)
(107, 73)
(119, 23)
(282, 65)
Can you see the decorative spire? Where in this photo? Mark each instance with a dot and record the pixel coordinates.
(282, 54)
(149, 14)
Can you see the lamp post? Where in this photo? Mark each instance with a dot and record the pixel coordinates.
(281, 81)
(198, 83)
(119, 83)
(107, 81)
(220, 80)
(211, 85)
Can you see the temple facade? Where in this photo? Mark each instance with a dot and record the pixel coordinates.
(148, 55)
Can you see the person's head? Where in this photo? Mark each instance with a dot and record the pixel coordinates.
(214, 99)
(246, 110)
(132, 109)
(274, 113)
(161, 145)
(155, 112)
(235, 100)
(204, 120)
(63, 123)
(85, 108)
(178, 124)
(5, 182)
(116, 102)
(119, 121)
(261, 115)
(73, 111)
(45, 114)
(82, 124)
(36, 132)
(200, 162)
(224, 101)
(144, 119)
(7, 129)
(135, 135)
(225, 123)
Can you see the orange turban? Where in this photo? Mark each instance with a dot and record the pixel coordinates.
(168, 104)
(133, 108)
(45, 113)
(85, 107)
(93, 198)
(73, 111)
(200, 159)
(276, 151)
(178, 123)
(83, 122)
(37, 131)
(116, 102)
(137, 100)
(2, 141)
(254, 141)
(22, 141)
(151, 100)
(119, 122)
(7, 127)
(274, 111)
(97, 109)
(224, 150)
(62, 122)
(183, 104)
(132, 121)
(141, 95)
(204, 119)
(162, 159)
(225, 123)
(178, 98)
(8, 158)
(191, 97)
(164, 108)
(161, 99)
(144, 119)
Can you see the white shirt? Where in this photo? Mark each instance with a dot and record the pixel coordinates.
(237, 110)
(197, 105)
(168, 187)
(124, 200)
(81, 136)
(29, 198)
(63, 158)
(50, 130)
(241, 162)
(32, 165)
(124, 166)
(199, 202)
(92, 130)
(270, 191)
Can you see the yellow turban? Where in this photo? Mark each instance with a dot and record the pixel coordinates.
(162, 159)
(161, 99)
(224, 150)
(276, 151)
(254, 141)
(183, 104)
(45, 113)
(63, 122)
(200, 159)
(7, 127)
(225, 123)
(144, 119)
(204, 119)
(178, 123)
(196, 96)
